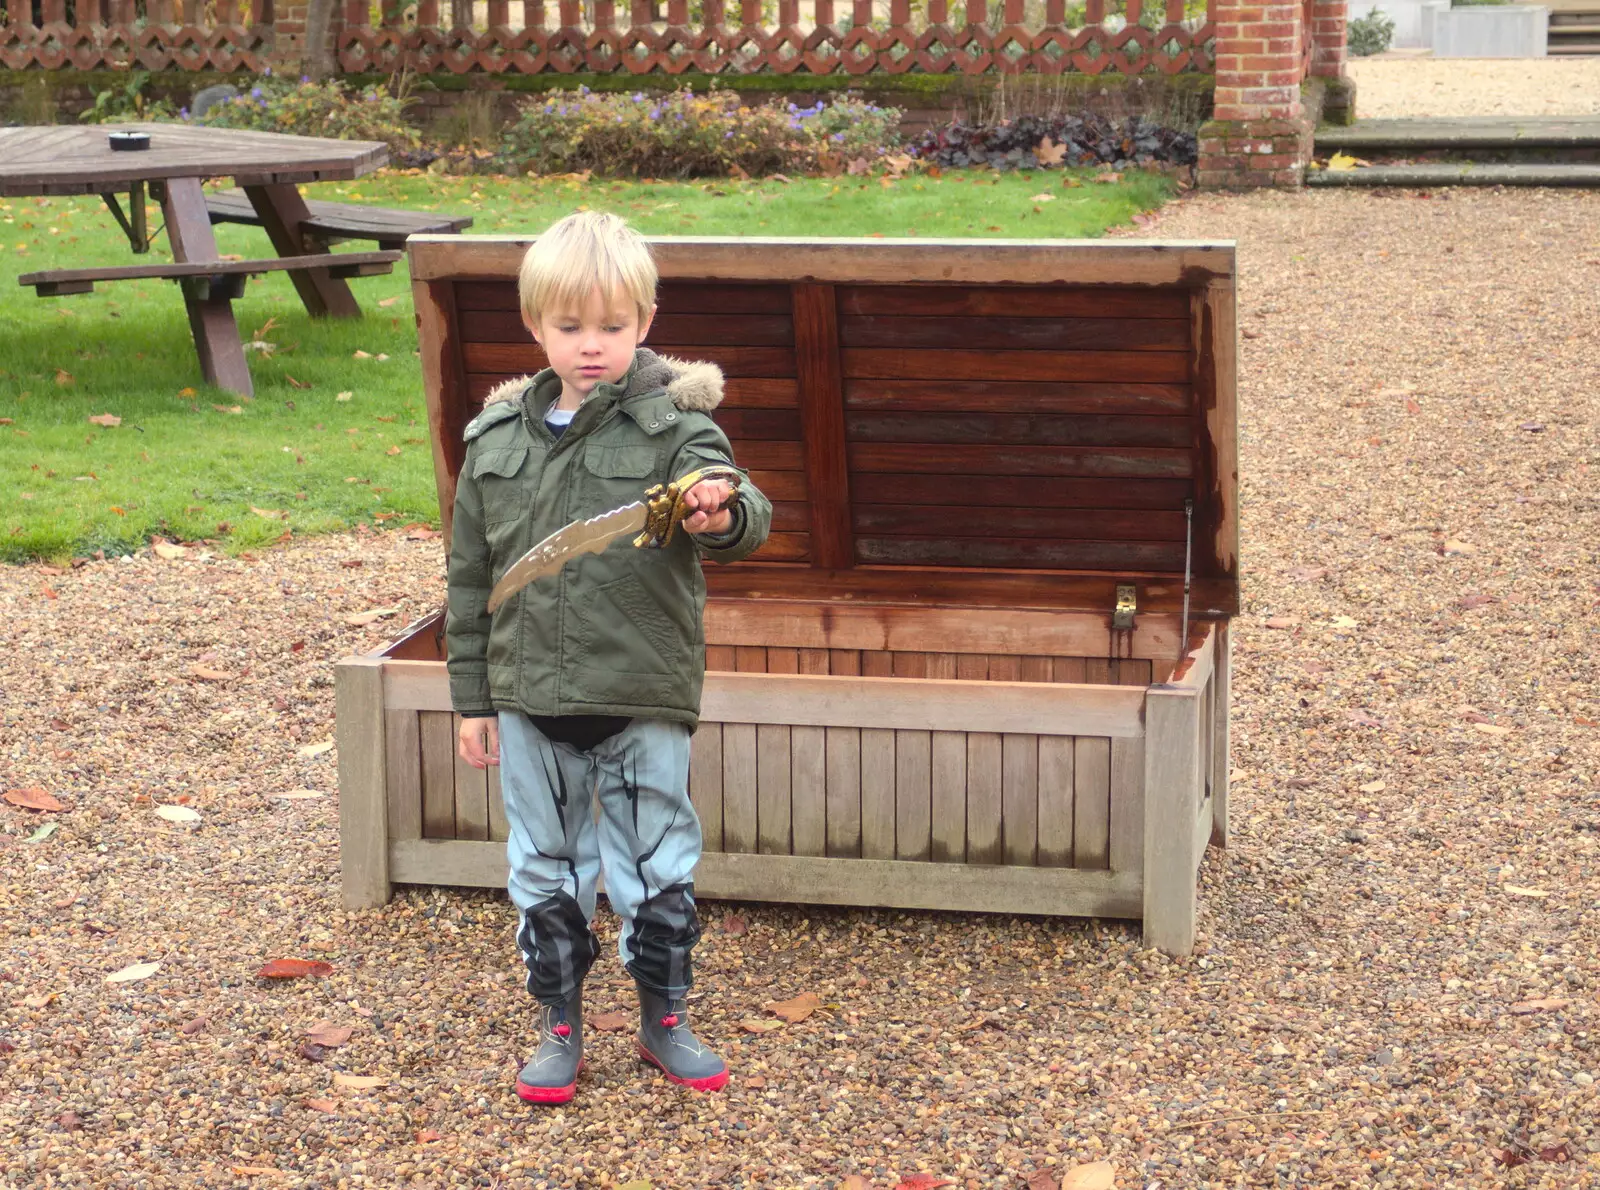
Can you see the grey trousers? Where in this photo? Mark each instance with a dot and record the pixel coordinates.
(646, 841)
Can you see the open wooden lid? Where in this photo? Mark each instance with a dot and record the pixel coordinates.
(983, 423)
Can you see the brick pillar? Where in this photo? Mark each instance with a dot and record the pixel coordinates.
(1258, 134)
(1328, 59)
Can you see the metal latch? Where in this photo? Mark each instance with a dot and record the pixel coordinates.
(1127, 605)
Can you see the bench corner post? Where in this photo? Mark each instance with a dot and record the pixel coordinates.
(363, 801)
(1171, 790)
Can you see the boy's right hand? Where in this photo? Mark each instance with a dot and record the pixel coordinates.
(478, 741)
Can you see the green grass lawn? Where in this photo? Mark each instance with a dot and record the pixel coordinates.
(337, 431)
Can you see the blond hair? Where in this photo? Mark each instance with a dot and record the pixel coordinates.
(585, 251)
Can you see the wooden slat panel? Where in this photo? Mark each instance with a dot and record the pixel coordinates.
(705, 782)
(1004, 301)
(774, 776)
(1056, 796)
(1215, 379)
(1091, 802)
(757, 425)
(1016, 492)
(1220, 769)
(813, 661)
(1099, 671)
(784, 547)
(890, 363)
(896, 520)
(913, 794)
(972, 667)
(844, 790)
(1035, 669)
(791, 516)
(909, 665)
(1019, 798)
(844, 662)
(822, 406)
(1106, 462)
(1170, 805)
(1068, 669)
(877, 663)
(1057, 397)
(722, 657)
(1173, 433)
(1134, 671)
(364, 845)
(527, 357)
(809, 809)
(738, 787)
(438, 741)
(782, 660)
(472, 797)
(402, 766)
(758, 455)
(499, 826)
(1005, 668)
(673, 297)
(949, 780)
(666, 332)
(742, 392)
(1126, 848)
(940, 665)
(780, 486)
(1016, 333)
(984, 777)
(877, 794)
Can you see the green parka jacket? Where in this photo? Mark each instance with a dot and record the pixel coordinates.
(614, 633)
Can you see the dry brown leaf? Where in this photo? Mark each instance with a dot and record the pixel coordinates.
(1491, 728)
(293, 968)
(1374, 787)
(385, 303)
(393, 450)
(296, 383)
(1468, 602)
(1283, 623)
(64, 378)
(1452, 546)
(752, 1025)
(134, 972)
(206, 674)
(323, 1105)
(1050, 153)
(177, 814)
(358, 1082)
(190, 1028)
(1042, 1179)
(923, 1181)
(329, 1034)
(168, 550)
(1526, 1007)
(734, 925)
(1097, 1175)
(1308, 574)
(316, 749)
(1517, 890)
(228, 408)
(428, 1136)
(361, 619)
(854, 1182)
(609, 1022)
(256, 1171)
(272, 514)
(34, 798)
(106, 419)
(361, 355)
(796, 1010)
(40, 999)
(756, 1082)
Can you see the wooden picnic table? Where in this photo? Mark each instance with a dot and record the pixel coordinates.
(269, 166)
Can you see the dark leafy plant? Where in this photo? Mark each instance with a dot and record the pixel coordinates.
(1371, 34)
(1087, 140)
(328, 108)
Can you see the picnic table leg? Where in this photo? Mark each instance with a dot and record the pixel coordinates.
(216, 333)
(282, 209)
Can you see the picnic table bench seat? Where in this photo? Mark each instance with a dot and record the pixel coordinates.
(982, 661)
(330, 221)
(59, 282)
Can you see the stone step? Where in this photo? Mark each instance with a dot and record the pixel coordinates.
(1461, 133)
(1459, 174)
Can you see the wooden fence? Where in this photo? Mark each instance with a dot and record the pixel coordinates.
(571, 36)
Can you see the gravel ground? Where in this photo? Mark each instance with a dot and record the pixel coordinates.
(1406, 85)
(1400, 959)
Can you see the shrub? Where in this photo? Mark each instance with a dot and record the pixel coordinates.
(684, 135)
(318, 109)
(1370, 34)
(128, 103)
(1074, 141)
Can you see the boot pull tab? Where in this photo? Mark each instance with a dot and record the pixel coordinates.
(670, 1021)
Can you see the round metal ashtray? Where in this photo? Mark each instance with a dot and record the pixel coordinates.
(126, 142)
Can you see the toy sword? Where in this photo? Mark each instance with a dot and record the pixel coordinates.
(655, 518)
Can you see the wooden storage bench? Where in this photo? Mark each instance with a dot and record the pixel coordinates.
(959, 675)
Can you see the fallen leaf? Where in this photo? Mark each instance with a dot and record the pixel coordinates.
(1097, 1175)
(106, 419)
(1283, 623)
(854, 1182)
(296, 795)
(187, 392)
(388, 301)
(1374, 787)
(190, 1028)
(295, 383)
(361, 619)
(1453, 546)
(420, 533)
(1308, 574)
(34, 798)
(393, 450)
(1508, 1158)
(40, 999)
(734, 925)
(228, 408)
(255, 1171)
(428, 1136)
(344, 396)
(360, 355)
(69, 1121)
(206, 674)
(1517, 890)
(609, 1022)
(1468, 602)
(317, 749)
(752, 1025)
(312, 1052)
(329, 1034)
(1491, 728)
(323, 1105)
(924, 1181)
(981, 1022)
(1107, 179)
(63, 377)
(1560, 1152)
(177, 814)
(134, 972)
(294, 968)
(1341, 162)
(43, 833)
(756, 1082)
(167, 550)
(796, 1010)
(1525, 1007)
(358, 1082)
(1345, 622)
(1042, 198)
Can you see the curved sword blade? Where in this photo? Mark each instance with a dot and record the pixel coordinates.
(565, 544)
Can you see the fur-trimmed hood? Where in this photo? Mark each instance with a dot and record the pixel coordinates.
(691, 384)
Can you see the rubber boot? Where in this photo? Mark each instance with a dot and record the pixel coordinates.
(666, 1041)
(551, 1075)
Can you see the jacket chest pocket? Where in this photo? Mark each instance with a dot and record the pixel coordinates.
(507, 479)
(619, 474)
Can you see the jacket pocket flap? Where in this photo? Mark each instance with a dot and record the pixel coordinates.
(621, 462)
(505, 462)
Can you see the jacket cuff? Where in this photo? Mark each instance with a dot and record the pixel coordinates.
(478, 714)
(715, 542)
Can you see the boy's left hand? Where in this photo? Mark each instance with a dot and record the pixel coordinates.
(708, 497)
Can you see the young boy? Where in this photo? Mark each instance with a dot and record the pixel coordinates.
(590, 678)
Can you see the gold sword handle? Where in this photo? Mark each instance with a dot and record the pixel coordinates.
(665, 509)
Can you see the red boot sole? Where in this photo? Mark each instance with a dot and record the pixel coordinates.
(714, 1083)
(547, 1095)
